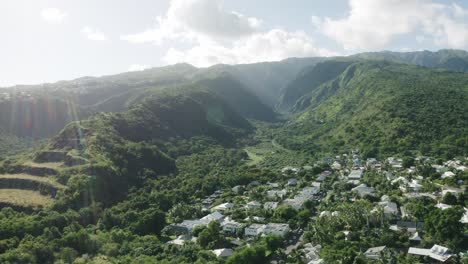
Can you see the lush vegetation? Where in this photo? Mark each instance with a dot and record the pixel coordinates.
(384, 108)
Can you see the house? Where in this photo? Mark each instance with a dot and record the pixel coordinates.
(390, 209)
(216, 216)
(442, 206)
(322, 176)
(230, 226)
(312, 253)
(294, 203)
(180, 240)
(254, 230)
(223, 252)
(276, 229)
(355, 175)
(292, 182)
(437, 252)
(254, 205)
(452, 190)
(447, 174)
(223, 207)
(270, 205)
(414, 186)
(363, 190)
(415, 237)
(273, 194)
(187, 226)
(254, 219)
(375, 252)
(310, 191)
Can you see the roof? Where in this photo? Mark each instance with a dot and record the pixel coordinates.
(374, 250)
(355, 174)
(212, 217)
(223, 252)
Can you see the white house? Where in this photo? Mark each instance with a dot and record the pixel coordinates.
(254, 230)
(375, 252)
(223, 252)
(223, 207)
(447, 174)
(355, 175)
(230, 226)
(437, 252)
(276, 229)
(254, 205)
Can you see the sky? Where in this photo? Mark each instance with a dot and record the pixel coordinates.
(50, 40)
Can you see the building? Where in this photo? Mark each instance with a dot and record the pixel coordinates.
(294, 203)
(390, 209)
(223, 252)
(230, 226)
(447, 174)
(363, 190)
(292, 182)
(355, 175)
(254, 205)
(273, 194)
(276, 229)
(223, 207)
(270, 205)
(375, 252)
(437, 252)
(254, 230)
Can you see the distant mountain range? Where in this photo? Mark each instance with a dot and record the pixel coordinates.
(299, 88)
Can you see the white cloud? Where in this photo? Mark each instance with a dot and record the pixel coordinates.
(374, 24)
(54, 15)
(190, 19)
(138, 67)
(93, 34)
(216, 35)
(273, 45)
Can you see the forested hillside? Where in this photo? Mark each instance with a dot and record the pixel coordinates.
(383, 108)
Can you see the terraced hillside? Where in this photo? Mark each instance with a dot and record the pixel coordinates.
(30, 186)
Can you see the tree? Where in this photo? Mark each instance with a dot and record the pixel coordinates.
(444, 226)
(211, 236)
(451, 199)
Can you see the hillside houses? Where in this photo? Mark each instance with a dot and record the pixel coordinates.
(248, 214)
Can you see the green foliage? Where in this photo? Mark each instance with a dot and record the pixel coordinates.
(384, 108)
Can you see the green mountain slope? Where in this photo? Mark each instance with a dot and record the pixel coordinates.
(454, 60)
(384, 108)
(310, 78)
(126, 148)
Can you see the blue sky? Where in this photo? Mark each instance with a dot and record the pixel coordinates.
(51, 40)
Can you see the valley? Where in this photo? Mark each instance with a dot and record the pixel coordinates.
(354, 159)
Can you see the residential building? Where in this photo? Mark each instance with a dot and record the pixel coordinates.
(276, 229)
(254, 230)
(375, 252)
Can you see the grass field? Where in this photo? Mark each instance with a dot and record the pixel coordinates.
(31, 177)
(24, 198)
(49, 165)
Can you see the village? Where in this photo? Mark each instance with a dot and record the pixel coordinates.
(304, 200)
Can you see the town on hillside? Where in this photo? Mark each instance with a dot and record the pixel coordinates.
(410, 210)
